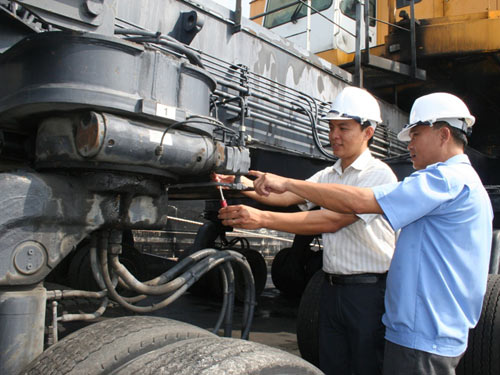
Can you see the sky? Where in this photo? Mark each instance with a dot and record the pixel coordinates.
(232, 3)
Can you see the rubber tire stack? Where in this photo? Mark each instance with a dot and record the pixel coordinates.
(154, 345)
(105, 346)
(308, 319)
(482, 356)
(215, 356)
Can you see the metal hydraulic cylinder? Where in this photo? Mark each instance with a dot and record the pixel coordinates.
(22, 319)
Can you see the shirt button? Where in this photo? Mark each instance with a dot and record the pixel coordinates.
(434, 346)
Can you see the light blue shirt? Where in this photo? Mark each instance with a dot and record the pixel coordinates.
(437, 278)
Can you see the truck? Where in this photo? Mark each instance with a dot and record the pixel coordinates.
(109, 112)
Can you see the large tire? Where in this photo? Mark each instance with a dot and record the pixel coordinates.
(308, 319)
(292, 269)
(215, 356)
(495, 253)
(259, 271)
(79, 272)
(483, 350)
(107, 345)
(287, 274)
(314, 263)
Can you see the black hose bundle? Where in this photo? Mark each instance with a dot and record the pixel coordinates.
(177, 280)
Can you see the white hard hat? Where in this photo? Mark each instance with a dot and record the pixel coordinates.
(355, 103)
(439, 106)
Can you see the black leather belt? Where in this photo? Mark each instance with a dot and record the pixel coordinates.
(362, 278)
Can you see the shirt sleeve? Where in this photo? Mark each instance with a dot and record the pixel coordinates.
(416, 196)
(375, 177)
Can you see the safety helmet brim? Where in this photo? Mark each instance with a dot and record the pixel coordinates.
(404, 135)
(462, 124)
(353, 103)
(334, 115)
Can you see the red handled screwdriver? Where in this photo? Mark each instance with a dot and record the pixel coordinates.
(223, 202)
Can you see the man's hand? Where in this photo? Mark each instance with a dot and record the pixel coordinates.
(229, 179)
(281, 200)
(267, 183)
(224, 178)
(241, 216)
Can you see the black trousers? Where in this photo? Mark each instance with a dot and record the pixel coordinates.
(351, 333)
(402, 360)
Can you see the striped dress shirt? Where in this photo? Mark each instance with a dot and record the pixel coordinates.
(367, 245)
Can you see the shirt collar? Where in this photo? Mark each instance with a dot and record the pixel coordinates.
(360, 163)
(460, 158)
(457, 159)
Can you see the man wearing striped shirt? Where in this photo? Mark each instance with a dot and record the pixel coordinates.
(357, 248)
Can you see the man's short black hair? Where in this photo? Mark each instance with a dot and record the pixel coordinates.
(458, 135)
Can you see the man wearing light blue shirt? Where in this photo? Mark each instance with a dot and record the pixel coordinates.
(437, 278)
(435, 282)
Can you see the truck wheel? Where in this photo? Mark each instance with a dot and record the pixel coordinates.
(308, 319)
(79, 272)
(278, 269)
(483, 350)
(288, 272)
(495, 253)
(259, 271)
(214, 356)
(292, 269)
(107, 345)
(313, 264)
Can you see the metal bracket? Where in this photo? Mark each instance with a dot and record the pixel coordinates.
(237, 17)
(187, 26)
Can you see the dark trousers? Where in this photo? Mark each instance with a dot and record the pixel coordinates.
(401, 360)
(351, 333)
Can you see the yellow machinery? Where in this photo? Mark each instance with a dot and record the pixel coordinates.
(457, 44)
(452, 27)
(444, 26)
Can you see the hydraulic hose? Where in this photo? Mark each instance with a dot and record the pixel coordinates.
(206, 260)
(315, 132)
(158, 38)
